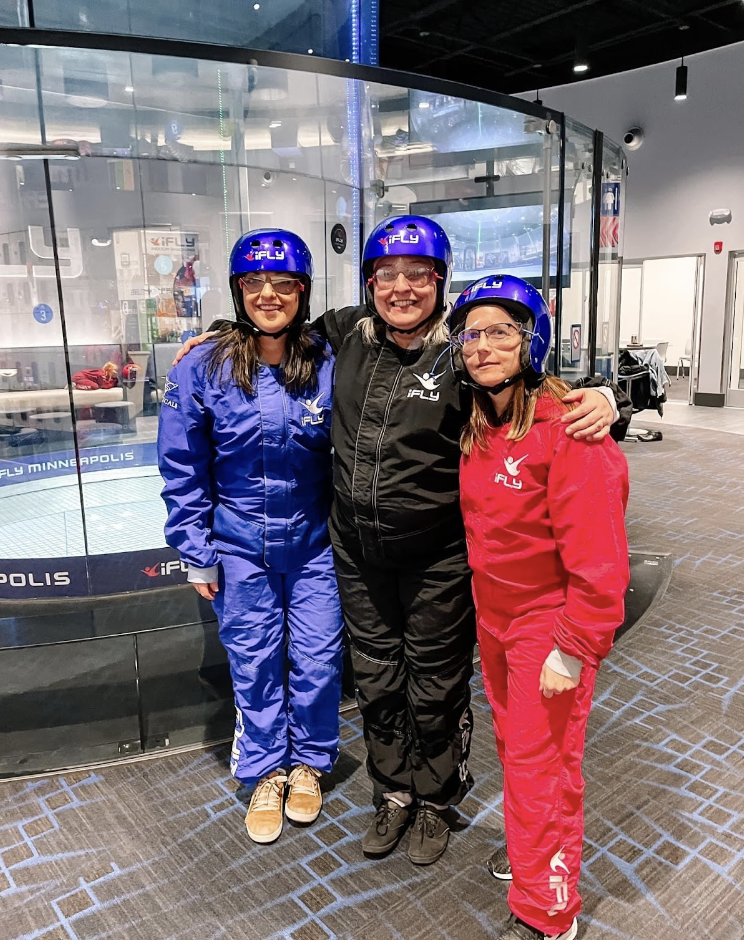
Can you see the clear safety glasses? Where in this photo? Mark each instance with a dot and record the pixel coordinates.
(416, 275)
(282, 285)
(498, 335)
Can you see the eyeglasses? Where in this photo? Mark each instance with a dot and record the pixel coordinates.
(282, 285)
(418, 276)
(498, 335)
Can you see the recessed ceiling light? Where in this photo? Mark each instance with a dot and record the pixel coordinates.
(275, 123)
(309, 51)
(581, 67)
(129, 88)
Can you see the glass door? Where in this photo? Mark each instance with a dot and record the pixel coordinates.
(735, 389)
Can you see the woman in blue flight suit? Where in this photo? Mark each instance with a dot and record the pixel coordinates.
(244, 449)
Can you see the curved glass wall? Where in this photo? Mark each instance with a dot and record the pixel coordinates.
(335, 29)
(124, 180)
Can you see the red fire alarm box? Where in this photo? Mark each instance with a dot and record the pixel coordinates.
(718, 247)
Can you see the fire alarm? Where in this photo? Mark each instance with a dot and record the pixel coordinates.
(718, 247)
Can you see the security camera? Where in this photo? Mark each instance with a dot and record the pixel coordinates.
(633, 138)
(719, 216)
(268, 178)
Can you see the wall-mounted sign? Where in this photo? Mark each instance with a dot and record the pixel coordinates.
(338, 238)
(43, 313)
(575, 343)
(609, 227)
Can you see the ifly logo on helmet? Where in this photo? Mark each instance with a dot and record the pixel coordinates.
(405, 238)
(265, 254)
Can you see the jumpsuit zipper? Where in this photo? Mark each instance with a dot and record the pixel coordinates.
(376, 476)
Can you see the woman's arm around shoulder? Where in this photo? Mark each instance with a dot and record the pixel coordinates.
(335, 325)
(587, 497)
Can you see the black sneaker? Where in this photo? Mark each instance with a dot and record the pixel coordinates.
(516, 929)
(429, 836)
(386, 829)
(499, 865)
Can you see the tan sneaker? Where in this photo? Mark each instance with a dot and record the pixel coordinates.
(265, 816)
(304, 800)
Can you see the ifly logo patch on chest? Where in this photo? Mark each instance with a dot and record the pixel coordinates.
(429, 385)
(316, 413)
(511, 477)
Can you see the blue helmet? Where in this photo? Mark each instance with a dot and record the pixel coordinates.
(521, 300)
(271, 249)
(410, 235)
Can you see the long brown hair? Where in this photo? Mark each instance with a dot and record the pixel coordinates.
(520, 412)
(241, 348)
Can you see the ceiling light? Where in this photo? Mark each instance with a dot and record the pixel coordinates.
(275, 124)
(581, 62)
(99, 243)
(129, 88)
(424, 104)
(680, 85)
(309, 51)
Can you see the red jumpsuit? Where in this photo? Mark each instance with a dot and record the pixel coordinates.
(545, 527)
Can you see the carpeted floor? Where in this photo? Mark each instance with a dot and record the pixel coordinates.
(158, 850)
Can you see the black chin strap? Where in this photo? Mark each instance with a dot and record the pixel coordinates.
(413, 329)
(532, 380)
(250, 325)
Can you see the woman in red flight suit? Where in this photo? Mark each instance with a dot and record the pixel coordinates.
(544, 517)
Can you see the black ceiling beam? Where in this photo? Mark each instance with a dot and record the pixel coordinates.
(432, 8)
(614, 41)
(446, 49)
(582, 4)
(668, 12)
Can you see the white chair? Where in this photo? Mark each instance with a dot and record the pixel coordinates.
(685, 360)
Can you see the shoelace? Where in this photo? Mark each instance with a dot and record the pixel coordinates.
(427, 820)
(303, 780)
(269, 793)
(383, 816)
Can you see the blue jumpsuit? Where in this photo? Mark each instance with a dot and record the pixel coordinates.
(248, 489)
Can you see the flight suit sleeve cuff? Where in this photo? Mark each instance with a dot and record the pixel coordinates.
(564, 665)
(608, 394)
(202, 575)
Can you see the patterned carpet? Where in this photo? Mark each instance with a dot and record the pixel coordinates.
(157, 849)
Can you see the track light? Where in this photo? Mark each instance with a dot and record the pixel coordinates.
(581, 62)
(680, 85)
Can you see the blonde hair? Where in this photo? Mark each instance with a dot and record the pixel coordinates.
(436, 333)
(520, 412)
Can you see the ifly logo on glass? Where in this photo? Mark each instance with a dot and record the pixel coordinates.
(266, 254)
(22, 579)
(165, 568)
